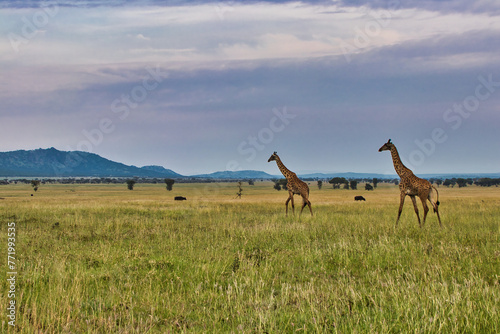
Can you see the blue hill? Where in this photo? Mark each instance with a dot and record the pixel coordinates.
(54, 163)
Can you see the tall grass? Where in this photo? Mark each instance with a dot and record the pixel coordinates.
(103, 259)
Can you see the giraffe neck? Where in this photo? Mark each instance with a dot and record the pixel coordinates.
(400, 168)
(285, 171)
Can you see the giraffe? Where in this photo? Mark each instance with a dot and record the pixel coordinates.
(295, 185)
(412, 186)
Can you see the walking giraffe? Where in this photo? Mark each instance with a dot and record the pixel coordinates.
(294, 184)
(412, 186)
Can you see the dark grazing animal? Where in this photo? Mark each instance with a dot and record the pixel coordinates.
(359, 198)
(179, 198)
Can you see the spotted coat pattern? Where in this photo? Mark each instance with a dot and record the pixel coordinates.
(294, 184)
(411, 185)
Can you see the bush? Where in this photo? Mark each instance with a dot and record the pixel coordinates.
(35, 184)
(130, 184)
(169, 183)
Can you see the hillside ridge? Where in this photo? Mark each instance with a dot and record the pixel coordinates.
(51, 162)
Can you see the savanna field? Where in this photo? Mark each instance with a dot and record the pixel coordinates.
(104, 259)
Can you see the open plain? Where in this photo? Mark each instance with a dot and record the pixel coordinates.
(104, 259)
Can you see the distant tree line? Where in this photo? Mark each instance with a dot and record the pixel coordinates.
(74, 180)
(115, 180)
(370, 184)
(487, 182)
(482, 182)
(338, 182)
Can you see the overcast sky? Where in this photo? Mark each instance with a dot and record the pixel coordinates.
(200, 86)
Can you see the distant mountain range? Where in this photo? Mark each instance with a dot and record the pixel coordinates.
(54, 163)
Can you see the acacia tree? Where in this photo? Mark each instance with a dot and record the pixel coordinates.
(35, 184)
(130, 184)
(461, 182)
(283, 183)
(354, 184)
(337, 181)
(169, 183)
(449, 182)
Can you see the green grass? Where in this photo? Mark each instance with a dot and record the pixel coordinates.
(103, 259)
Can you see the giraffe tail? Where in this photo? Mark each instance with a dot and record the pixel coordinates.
(434, 198)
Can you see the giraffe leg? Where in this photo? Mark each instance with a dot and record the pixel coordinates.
(426, 208)
(435, 205)
(436, 210)
(401, 202)
(290, 197)
(439, 218)
(416, 209)
(293, 204)
(305, 202)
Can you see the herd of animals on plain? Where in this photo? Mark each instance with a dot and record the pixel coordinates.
(410, 185)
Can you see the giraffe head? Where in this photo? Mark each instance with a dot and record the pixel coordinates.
(387, 146)
(273, 157)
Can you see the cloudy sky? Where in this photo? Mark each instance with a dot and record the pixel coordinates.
(201, 86)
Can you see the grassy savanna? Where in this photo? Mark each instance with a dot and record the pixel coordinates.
(103, 259)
